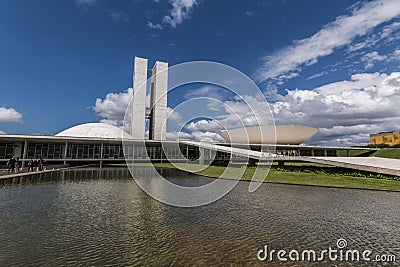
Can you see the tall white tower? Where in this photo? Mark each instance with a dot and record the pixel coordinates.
(158, 100)
(139, 98)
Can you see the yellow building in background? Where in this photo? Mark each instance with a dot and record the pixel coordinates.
(385, 138)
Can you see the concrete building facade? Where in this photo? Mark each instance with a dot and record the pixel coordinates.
(158, 101)
(157, 114)
(139, 98)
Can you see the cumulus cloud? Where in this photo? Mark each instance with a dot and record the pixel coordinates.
(206, 136)
(112, 108)
(230, 114)
(2, 132)
(366, 103)
(204, 126)
(175, 136)
(180, 11)
(364, 17)
(173, 115)
(194, 136)
(10, 115)
(153, 26)
(245, 112)
(345, 112)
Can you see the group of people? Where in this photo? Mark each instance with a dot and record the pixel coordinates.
(14, 165)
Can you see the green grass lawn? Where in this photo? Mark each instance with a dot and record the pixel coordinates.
(316, 179)
(315, 175)
(353, 153)
(393, 153)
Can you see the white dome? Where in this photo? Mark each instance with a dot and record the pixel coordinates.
(94, 130)
(279, 134)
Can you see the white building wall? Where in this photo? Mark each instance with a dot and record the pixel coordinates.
(158, 101)
(139, 98)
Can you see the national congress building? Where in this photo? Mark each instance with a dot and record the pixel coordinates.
(103, 143)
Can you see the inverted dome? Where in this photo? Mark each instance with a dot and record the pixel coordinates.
(94, 130)
(285, 134)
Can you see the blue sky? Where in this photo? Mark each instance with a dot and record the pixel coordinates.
(329, 64)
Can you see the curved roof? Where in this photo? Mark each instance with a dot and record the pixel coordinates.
(285, 134)
(94, 130)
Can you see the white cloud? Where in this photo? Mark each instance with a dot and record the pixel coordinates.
(173, 115)
(86, 2)
(317, 75)
(2, 132)
(207, 136)
(342, 110)
(194, 136)
(181, 10)
(372, 57)
(119, 16)
(396, 55)
(10, 115)
(207, 91)
(153, 26)
(363, 18)
(250, 14)
(204, 126)
(234, 113)
(389, 33)
(246, 111)
(346, 112)
(174, 136)
(112, 108)
(389, 29)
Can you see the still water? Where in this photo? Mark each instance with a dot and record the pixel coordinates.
(93, 217)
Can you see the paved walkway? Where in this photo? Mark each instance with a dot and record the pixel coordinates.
(8, 175)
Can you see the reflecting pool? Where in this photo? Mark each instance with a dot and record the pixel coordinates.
(101, 217)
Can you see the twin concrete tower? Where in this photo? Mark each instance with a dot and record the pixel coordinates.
(157, 112)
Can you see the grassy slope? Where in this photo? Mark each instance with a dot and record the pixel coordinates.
(393, 153)
(353, 153)
(294, 177)
(277, 176)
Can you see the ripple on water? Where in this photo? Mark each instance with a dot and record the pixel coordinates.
(88, 220)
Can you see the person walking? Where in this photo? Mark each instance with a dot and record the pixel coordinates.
(30, 165)
(17, 165)
(11, 165)
(34, 164)
(41, 164)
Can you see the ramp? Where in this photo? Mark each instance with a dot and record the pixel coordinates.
(370, 164)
